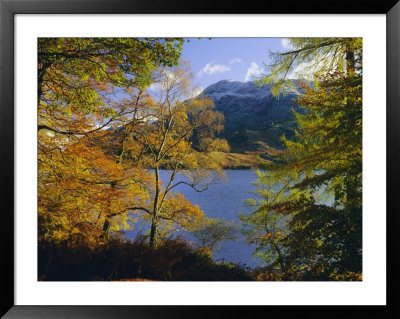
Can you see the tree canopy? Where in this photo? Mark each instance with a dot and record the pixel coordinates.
(308, 224)
(83, 183)
(104, 135)
(77, 75)
(164, 142)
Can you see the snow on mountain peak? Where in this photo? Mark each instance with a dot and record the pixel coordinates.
(236, 88)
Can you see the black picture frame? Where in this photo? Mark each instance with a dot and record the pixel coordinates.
(9, 8)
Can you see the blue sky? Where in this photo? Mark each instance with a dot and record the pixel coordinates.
(237, 59)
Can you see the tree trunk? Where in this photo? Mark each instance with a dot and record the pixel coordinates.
(154, 218)
(42, 68)
(106, 228)
(350, 62)
(153, 232)
(108, 219)
(351, 192)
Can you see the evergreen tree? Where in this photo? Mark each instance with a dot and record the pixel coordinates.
(308, 225)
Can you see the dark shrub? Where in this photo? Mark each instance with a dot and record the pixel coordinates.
(127, 260)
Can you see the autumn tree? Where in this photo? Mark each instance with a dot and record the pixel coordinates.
(211, 232)
(76, 74)
(81, 189)
(163, 141)
(84, 189)
(310, 217)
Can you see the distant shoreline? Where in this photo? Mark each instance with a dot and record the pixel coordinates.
(235, 161)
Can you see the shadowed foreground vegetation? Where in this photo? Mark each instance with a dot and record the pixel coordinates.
(174, 260)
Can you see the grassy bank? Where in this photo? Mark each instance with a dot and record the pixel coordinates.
(247, 160)
(235, 160)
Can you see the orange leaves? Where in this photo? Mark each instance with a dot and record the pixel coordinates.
(84, 177)
(80, 185)
(95, 149)
(180, 211)
(269, 236)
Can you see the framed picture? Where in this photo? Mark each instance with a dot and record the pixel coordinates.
(42, 280)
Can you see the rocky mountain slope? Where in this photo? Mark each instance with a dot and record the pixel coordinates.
(254, 118)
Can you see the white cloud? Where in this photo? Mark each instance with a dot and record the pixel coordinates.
(211, 68)
(306, 70)
(197, 91)
(286, 44)
(160, 83)
(253, 71)
(302, 71)
(155, 87)
(235, 60)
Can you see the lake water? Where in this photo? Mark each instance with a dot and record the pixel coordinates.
(224, 200)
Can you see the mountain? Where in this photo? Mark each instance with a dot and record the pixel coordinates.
(254, 118)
